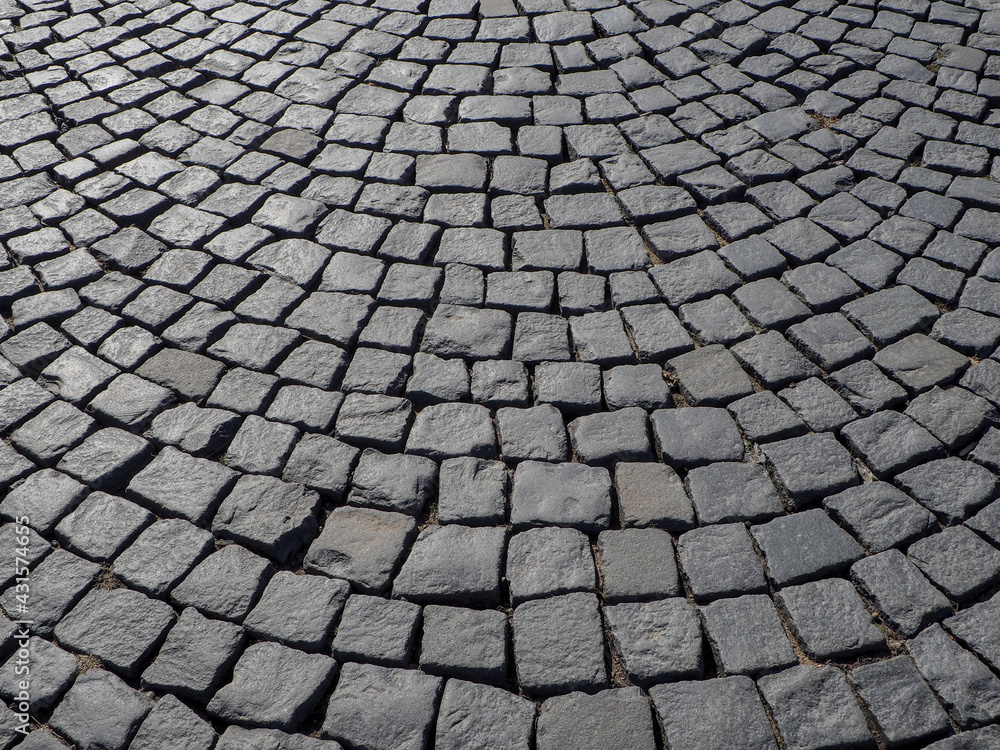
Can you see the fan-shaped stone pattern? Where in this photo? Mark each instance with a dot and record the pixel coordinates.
(500, 373)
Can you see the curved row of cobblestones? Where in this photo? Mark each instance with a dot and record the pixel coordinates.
(501, 374)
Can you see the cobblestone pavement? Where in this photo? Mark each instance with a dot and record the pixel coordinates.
(500, 375)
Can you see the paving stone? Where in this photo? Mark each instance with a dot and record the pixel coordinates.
(298, 610)
(729, 709)
(814, 707)
(78, 716)
(549, 561)
(435, 571)
(171, 722)
(829, 619)
(53, 668)
(972, 627)
(536, 433)
(268, 515)
(603, 720)
(950, 487)
(284, 708)
(162, 554)
(472, 491)
(710, 376)
(720, 561)
(464, 643)
(195, 657)
(569, 386)
(605, 438)
(102, 525)
(637, 564)
(903, 596)
(449, 430)
(918, 362)
(954, 416)
(709, 435)
(393, 482)
(226, 584)
(804, 546)
(558, 644)
(658, 640)
(44, 498)
(465, 332)
(880, 685)
(889, 442)
(957, 561)
(867, 388)
(409, 697)
(46, 437)
(362, 546)
(122, 628)
(477, 717)
(561, 494)
(180, 485)
(374, 420)
(966, 687)
(879, 515)
(746, 635)
(811, 466)
(652, 495)
(763, 417)
(830, 340)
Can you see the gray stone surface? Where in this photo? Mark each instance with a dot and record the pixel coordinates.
(558, 644)
(904, 708)
(723, 713)
(561, 495)
(122, 628)
(829, 619)
(549, 561)
(80, 718)
(361, 546)
(804, 546)
(382, 708)
(637, 564)
(479, 717)
(298, 681)
(900, 593)
(403, 296)
(606, 720)
(966, 687)
(657, 641)
(814, 708)
(746, 635)
(453, 563)
(195, 657)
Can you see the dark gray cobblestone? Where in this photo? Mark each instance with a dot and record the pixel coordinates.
(500, 374)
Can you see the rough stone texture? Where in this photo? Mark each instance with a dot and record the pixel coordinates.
(403, 714)
(969, 691)
(361, 546)
(562, 495)
(487, 305)
(298, 681)
(814, 707)
(609, 719)
(479, 717)
(723, 713)
(558, 644)
(657, 641)
(453, 564)
(904, 708)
